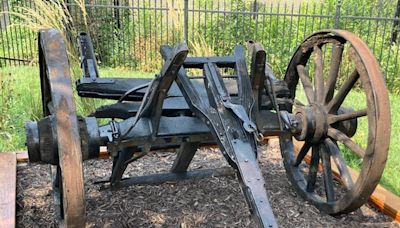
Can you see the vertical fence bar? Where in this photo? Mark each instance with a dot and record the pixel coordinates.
(186, 20)
(30, 35)
(290, 32)
(149, 36)
(337, 14)
(270, 33)
(3, 26)
(281, 57)
(156, 44)
(11, 37)
(193, 34)
(395, 29)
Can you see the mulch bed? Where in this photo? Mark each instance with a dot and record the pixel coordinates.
(212, 202)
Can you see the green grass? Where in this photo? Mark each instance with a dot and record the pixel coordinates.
(392, 168)
(356, 100)
(20, 102)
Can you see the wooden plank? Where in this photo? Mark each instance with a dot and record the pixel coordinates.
(381, 198)
(8, 183)
(22, 156)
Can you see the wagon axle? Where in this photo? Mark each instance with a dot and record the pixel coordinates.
(41, 134)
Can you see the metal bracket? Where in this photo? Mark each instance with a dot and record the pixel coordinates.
(240, 112)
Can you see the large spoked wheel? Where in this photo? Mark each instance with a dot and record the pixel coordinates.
(58, 102)
(342, 106)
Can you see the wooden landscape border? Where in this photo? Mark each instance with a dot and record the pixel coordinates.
(381, 198)
(8, 189)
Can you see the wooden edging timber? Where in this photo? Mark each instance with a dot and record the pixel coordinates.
(8, 189)
(381, 198)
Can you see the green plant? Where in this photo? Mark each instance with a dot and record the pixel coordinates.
(5, 105)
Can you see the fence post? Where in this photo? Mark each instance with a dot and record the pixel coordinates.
(255, 9)
(186, 21)
(337, 14)
(5, 19)
(395, 30)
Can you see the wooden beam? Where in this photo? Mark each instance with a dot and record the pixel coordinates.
(8, 184)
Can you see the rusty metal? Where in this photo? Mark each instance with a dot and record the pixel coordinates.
(174, 110)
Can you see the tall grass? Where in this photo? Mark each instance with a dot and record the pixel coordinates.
(51, 14)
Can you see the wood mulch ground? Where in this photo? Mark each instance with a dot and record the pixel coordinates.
(212, 202)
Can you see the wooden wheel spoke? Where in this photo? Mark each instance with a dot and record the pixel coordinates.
(336, 59)
(340, 163)
(303, 152)
(318, 79)
(347, 116)
(313, 169)
(338, 99)
(341, 137)
(327, 174)
(305, 80)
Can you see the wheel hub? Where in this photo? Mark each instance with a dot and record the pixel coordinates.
(313, 121)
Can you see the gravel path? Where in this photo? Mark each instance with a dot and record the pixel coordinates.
(212, 202)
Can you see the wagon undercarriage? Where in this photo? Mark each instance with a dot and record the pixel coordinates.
(197, 101)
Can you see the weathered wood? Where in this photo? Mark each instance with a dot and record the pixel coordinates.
(68, 139)
(8, 173)
(184, 157)
(381, 198)
(174, 177)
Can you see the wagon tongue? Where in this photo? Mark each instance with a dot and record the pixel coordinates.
(252, 184)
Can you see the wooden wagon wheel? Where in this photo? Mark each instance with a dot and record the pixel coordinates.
(328, 129)
(58, 101)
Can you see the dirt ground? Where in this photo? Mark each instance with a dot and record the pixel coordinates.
(212, 202)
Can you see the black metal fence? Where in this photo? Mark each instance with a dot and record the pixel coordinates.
(129, 32)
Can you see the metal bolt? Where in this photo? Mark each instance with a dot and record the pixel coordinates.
(246, 160)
